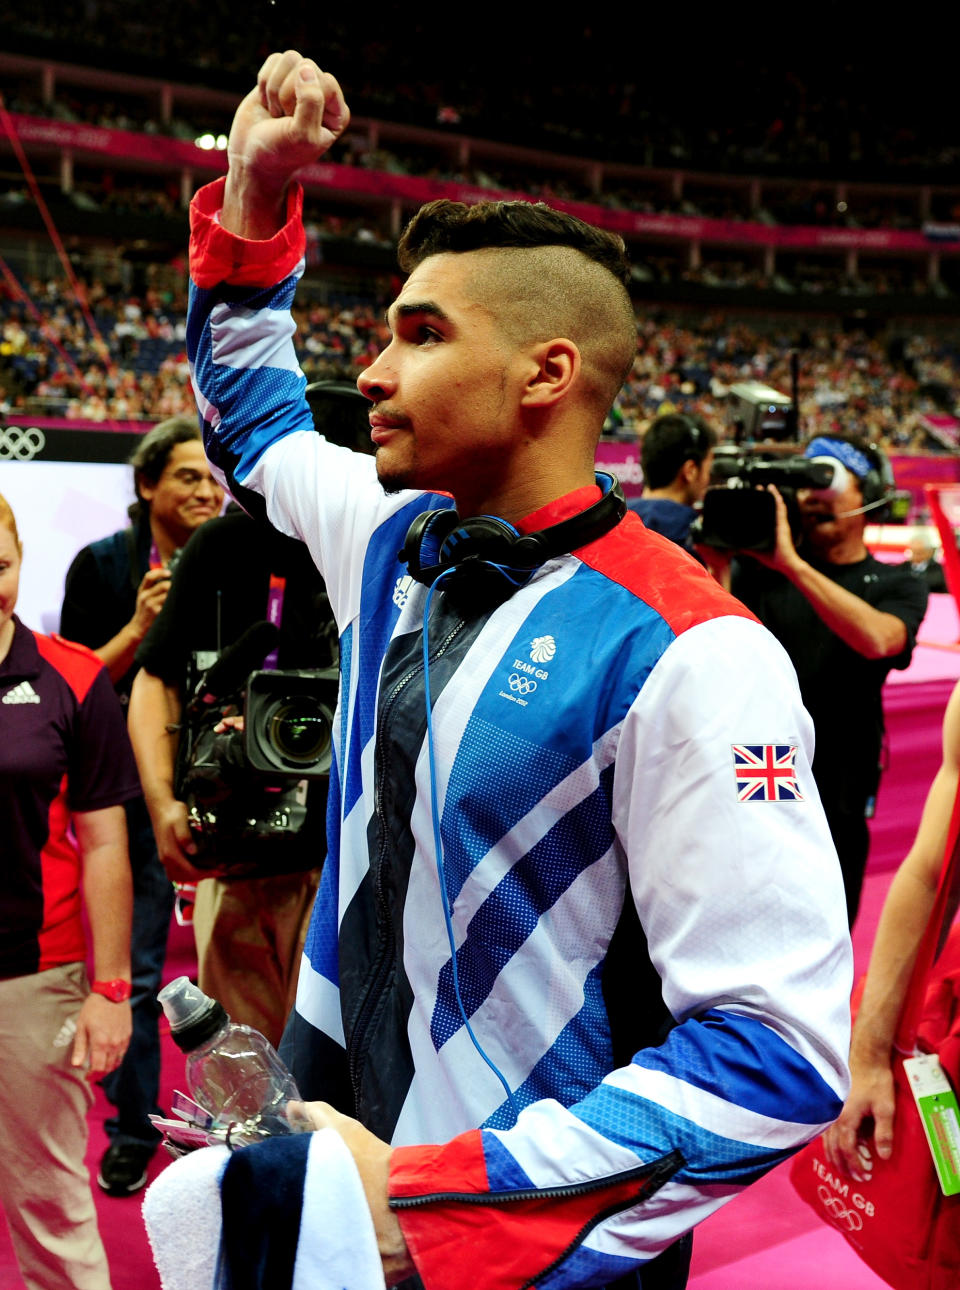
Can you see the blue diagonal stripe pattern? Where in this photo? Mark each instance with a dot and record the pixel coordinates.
(575, 1062)
(744, 1062)
(640, 1124)
(511, 912)
(378, 617)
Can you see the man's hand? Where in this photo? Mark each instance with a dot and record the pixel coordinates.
(289, 121)
(103, 1033)
(372, 1158)
(151, 594)
(871, 1096)
(784, 556)
(175, 844)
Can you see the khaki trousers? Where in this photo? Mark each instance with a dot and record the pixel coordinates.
(250, 934)
(44, 1183)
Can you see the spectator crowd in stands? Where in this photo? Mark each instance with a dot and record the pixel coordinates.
(848, 381)
(135, 368)
(591, 85)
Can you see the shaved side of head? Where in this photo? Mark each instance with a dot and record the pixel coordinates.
(542, 293)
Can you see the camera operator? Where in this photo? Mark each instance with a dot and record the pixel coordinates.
(676, 455)
(846, 620)
(249, 930)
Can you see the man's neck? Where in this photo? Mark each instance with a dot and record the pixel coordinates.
(671, 493)
(848, 549)
(165, 541)
(528, 492)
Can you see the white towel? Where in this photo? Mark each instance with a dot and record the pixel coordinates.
(181, 1210)
(337, 1246)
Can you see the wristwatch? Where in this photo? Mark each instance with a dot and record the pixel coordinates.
(117, 991)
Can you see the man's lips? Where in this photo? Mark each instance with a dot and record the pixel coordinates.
(382, 427)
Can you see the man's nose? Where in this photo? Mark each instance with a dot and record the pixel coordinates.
(378, 381)
(208, 487)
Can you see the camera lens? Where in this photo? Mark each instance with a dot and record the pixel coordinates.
(300, 731)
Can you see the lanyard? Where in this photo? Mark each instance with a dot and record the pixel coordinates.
(275, 595)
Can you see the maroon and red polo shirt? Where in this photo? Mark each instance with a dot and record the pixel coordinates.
(63, 748)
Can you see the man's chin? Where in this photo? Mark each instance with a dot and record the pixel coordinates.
(393, 478)
(820, 532)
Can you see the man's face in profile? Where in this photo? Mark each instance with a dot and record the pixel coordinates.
(445, 391)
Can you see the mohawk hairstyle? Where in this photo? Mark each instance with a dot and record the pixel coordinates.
(442, 226)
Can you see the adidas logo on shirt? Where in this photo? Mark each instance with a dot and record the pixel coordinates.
(22, 693)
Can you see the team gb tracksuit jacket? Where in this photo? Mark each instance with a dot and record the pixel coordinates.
(645, 910)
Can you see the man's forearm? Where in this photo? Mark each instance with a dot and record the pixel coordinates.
(904, 918)
(154, 706)
(117, 654)
(871, 632)
(902, 924)
(250, 209)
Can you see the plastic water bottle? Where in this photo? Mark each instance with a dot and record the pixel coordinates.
(232, 1070)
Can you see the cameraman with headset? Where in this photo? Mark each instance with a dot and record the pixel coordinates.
(846, 619)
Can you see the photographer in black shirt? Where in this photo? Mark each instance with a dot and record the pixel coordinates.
(249, 930)
(233, 574)
(846, 620)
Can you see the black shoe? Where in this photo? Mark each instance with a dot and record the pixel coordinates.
(123, 1168)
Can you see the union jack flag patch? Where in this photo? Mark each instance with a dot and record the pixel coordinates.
(766, 772)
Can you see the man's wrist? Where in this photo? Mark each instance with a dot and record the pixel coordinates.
(254, 208)
(117, 989)
(158, 794)
(794, 567)
(870, 1047)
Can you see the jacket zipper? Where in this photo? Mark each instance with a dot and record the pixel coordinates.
(658, 1173)
(383, 964)
(655, 1176)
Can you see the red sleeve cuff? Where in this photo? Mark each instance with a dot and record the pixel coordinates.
(459, 1234)
(217, 255)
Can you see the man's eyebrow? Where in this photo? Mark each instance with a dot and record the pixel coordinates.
(416, 308)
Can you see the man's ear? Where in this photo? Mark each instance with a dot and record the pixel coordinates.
(555, 371)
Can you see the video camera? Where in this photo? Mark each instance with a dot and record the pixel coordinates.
(739, 514)
(246, 790)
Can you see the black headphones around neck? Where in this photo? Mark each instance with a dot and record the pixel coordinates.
(490, 558)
